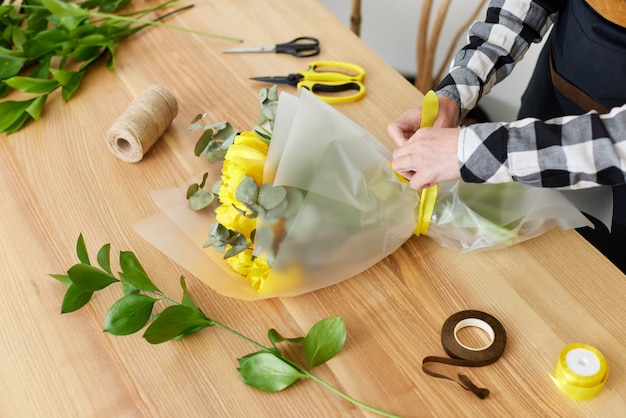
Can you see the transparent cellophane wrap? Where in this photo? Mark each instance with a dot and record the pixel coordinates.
(354, 211)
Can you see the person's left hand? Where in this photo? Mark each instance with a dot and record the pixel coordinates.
(428, 157)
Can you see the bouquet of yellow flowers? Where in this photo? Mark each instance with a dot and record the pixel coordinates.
(312, 200)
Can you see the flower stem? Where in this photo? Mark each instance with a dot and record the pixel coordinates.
(307, 373)
(165, 25)
(347, 397)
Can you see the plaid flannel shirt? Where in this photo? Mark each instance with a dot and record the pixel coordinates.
(568, 152)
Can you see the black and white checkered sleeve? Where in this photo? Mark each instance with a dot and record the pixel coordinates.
(495, 46)
(571, 152)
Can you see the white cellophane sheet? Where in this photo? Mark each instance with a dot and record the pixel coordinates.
(354, 210)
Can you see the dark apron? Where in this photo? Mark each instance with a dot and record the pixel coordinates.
(588, 52)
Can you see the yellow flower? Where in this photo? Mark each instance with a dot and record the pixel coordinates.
(256, 271)
(246, 156)
(232, 219)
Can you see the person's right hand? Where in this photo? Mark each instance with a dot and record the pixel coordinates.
(406, 125)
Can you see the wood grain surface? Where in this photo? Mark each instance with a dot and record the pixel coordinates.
(58, 179)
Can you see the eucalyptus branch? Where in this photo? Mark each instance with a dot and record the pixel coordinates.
(267, 369)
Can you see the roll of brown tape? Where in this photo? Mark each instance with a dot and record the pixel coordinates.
(465, 356)
(142, 123)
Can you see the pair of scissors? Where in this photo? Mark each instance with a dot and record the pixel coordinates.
(324, 77)
(304, 46)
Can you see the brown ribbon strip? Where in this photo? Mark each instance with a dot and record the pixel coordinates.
(466, 357)
(573, 93)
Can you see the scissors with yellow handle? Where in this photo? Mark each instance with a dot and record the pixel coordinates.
(331, 81)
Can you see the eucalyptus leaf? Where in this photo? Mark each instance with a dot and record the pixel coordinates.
(129, 314)
(90, 279)
(201, 199)
(175, 321)
(247, 191)
(267, 372)
(324, 340)
(203, 142)
(271, 196)
(275, 214)
(74, 299)
(134, 272)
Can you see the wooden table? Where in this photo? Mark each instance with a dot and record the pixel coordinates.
(59, 179)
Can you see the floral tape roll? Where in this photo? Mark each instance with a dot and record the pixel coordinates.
(141, 125)
(581, 371)
(464, 356)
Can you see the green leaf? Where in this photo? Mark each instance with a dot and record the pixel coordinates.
(31, 85)
(265, 371)
(18, 123)
(74, 299)
(61, 8)
(35, 106)
(12, 111)
(90, 279)
(275, 337)
(63, 278)
(81, 250)
(129, 314)
(134, 272)
(186, 301)
(127, 287)
(324, 340)
(10, 65)
(104, 257)
(175, 321)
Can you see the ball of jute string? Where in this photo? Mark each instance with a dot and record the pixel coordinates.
(142, 123)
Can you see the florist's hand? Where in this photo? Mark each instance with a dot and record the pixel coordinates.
(428, 157)
(406, 125)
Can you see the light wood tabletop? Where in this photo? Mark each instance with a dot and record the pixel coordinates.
(59, 179)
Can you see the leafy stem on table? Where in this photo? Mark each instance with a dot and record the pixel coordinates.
(50, 44)
(267, 369)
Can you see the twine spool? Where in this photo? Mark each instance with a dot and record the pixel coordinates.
(142, 123)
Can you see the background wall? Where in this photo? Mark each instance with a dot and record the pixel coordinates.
(390, 28)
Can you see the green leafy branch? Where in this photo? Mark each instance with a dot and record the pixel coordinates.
(267, 369)
(50, 44)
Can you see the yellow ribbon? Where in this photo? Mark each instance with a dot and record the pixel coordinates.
(428, 196)
(581, 371)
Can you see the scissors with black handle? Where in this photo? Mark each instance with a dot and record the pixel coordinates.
(331, 81)
(304, 46)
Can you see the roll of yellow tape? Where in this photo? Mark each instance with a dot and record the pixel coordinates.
(581, 371)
